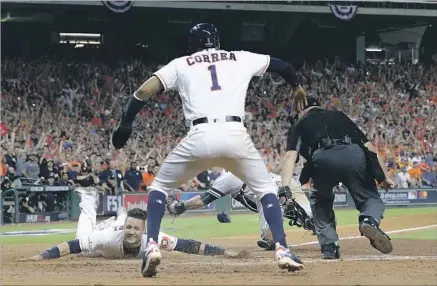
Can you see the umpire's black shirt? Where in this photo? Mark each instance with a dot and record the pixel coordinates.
(320, 123)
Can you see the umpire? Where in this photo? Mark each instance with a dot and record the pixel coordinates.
(336, 150)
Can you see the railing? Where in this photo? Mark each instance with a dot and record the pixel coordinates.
(11, 197)
(3, 196)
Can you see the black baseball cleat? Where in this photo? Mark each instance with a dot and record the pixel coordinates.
(330, 251)
(264, 244)
(378, 239)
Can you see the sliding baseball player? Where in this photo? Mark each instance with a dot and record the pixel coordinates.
(119, 237)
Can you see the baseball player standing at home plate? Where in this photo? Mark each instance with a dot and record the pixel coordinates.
(295, 204)
(212, 84)
(119, 237)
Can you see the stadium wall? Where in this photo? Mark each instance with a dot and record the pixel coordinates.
(108, 204)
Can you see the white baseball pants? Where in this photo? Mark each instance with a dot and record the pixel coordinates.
(225, 144)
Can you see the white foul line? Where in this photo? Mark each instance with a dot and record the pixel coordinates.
(358, 236)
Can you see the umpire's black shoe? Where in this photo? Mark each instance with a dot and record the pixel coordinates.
(330, 251)
(378, 239)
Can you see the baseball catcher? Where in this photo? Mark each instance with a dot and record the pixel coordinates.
(294, 203)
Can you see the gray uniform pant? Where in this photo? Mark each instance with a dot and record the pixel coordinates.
(346, 164)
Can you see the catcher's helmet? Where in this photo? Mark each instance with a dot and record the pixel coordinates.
(203, 36)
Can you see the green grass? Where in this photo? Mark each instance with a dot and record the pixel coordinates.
(39, 226)
(428, 234)
(198, 227)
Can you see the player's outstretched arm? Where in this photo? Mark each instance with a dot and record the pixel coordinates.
(196, 202)
(176, 208)
(134, 106)
(191, 246)
(137, 101)
(63, 249)
(287, 72)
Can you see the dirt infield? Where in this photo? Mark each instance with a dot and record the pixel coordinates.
(412, 262)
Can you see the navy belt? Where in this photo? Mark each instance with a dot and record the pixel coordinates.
(205, 120)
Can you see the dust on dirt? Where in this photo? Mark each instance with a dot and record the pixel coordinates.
(411, 263)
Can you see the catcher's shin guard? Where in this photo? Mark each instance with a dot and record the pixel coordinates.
(245, 200)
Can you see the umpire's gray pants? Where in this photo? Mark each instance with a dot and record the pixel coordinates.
(346, 164)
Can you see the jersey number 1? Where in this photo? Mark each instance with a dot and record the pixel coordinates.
(215, 85)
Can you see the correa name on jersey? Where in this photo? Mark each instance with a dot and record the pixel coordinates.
(211, 58)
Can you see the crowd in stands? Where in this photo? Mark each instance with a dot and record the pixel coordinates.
(57, 118)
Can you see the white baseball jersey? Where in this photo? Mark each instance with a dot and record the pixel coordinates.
(213, 83)
(107, 240)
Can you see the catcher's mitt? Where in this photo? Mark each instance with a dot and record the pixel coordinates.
(174, 206)
(293, 211)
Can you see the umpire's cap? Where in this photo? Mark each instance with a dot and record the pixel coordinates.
(311, 101)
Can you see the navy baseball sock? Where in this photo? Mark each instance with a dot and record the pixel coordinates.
(273, 216)
(191, 246)
(155, 212)
(211, 250)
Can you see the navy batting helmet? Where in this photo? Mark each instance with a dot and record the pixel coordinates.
(203, 36)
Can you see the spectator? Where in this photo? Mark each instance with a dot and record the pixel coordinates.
(429, 176)
(149, 175)
(68, 112)
(49, 171)
(87, 179)
(415, 174)
(117, 176)
(403, 179)
(74, 171)
(31, 167)
(133, 177)
(65, 181)
(5, 184)
(105, 173)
